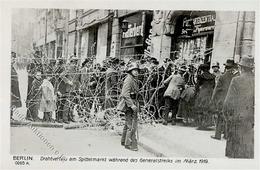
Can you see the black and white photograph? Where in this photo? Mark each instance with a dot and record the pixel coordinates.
(101, 83)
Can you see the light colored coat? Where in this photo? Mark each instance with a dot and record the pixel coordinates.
(176, 84)
(48, 100)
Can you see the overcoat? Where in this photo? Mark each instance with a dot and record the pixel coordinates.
(221, 89)
(15, 92)
(205, 85)
(48, 100)
(238, 110)
(176, 84)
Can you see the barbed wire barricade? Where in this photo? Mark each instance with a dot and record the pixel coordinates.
(90, 93)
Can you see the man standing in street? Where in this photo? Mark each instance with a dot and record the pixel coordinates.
(238, 110)
(219, 94)
(34, 97)
(15, 92)
(71, 78)
(172, 95)
(129, 105)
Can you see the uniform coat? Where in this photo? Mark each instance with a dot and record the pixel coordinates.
(130, 87)
(126, 101)
(238, 110)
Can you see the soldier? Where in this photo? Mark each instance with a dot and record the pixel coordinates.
(219, 94)
(129, 105)
(238, 110)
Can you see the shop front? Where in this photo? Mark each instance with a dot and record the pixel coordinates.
(193, 36)
(133, 44)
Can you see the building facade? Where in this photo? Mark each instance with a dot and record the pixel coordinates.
(196, 36)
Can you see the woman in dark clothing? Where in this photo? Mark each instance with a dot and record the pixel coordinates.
(204, 89)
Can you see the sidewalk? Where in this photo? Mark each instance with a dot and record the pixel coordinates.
(180, 141)
(160, 140)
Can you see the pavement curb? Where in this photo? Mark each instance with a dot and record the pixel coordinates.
(35, 124)
(151, 150)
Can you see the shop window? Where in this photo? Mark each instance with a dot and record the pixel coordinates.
(92, 42)
(193, 36)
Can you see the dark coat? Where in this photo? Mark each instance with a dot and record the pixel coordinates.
(15, 92)
(221, 89)
(205, 85)
(34, 96)
(238, 110)
(130, 86)
(111, 82)
(71, 79)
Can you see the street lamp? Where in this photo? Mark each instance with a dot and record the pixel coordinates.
(124, 25)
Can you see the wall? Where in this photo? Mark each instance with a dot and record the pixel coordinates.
(102, 43)
(84, 44)
(224, 37)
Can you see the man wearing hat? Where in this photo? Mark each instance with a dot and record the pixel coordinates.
(129, 105)
(215, 67)
(172, 95)
(238, 110)
(71, 78)
(219, 94)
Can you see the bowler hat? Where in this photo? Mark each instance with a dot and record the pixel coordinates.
(229, 63)
(247, 61)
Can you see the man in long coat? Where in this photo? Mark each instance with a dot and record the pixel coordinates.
(33, 98)
(204, 89)
(15, 92)
(219, 94)
(238, 110)
(71, 78)
(129, 105)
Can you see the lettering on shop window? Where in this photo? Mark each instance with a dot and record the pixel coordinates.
(134, 31)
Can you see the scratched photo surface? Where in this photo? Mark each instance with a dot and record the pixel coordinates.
(132, 83)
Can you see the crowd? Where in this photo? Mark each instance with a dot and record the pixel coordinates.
(176, 89)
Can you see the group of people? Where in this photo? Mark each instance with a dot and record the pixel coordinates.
(170, 91)
(222, 99)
